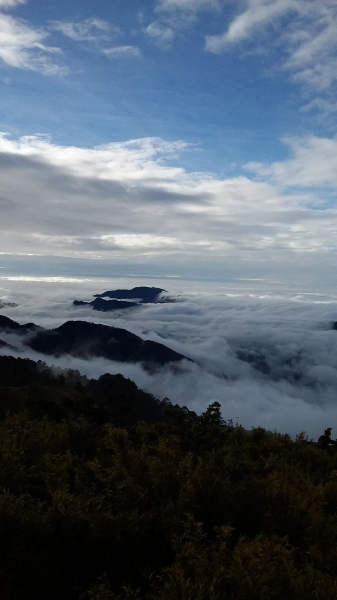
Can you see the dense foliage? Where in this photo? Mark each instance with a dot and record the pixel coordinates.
(106, 493)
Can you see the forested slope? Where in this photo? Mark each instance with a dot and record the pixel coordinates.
(107, 493)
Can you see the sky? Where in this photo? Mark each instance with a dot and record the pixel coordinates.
(189, 139)
(191, 145)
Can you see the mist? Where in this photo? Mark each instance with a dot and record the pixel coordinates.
(267, 355)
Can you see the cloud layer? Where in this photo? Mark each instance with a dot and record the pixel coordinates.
(269, 359)
(127, 201)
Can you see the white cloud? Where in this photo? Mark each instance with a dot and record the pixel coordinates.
(122, 52)
(126, 240)
(23, 47)
(159, 34)
(321, 104)
(10, 3)
(270, 359)
(314, 163)
(125, 202)
(186, 5)
(304, 29)
(90, 30)
(174, 15)
(257, 15)
(312, 46)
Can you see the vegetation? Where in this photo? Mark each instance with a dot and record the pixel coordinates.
(107, 493)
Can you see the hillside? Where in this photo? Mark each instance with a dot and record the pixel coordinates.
(84, 339)
(107, 493)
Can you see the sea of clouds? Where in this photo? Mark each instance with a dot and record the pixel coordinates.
(267, 355)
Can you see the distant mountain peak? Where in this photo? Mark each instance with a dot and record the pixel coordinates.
(9, 325)
(124, 299)
(143, 293)
(84, 339)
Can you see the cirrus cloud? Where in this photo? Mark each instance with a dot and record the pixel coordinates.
(10, 3)
(23, 47)
(186, 5)
(302, 31)
(120, 52)
(90, 30)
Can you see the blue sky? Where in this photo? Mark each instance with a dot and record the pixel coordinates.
(233, 108)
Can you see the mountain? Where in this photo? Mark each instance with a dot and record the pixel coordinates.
(122, 299)
(7, 324)
(83, 339)
(106, 305)
(143, 294)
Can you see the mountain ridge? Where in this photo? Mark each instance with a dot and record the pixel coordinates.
(123, 298)
(83, 339)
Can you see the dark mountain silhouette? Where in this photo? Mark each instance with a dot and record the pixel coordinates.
(83, 339)
(146, 295)
(7, 324)
(121, 299)
(106, 305)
